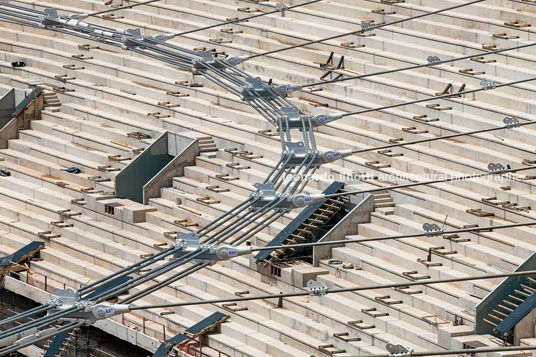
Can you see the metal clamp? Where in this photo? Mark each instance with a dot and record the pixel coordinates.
(511, 122)
(297, 154)
(189, 243)
(256, 89)
(316, 288)
(293, 119)
(496, 168)
(399, 350)
(432, 230)
(281, 7)
(367, 26)
(130, 38)
(265, 196)
(433, 60)
(487, 84)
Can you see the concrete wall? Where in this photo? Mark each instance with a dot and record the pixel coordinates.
(525, 328)
(28, 105)
(8, 125)
(359, 214)
(156, 166)
(8, 132)
(185, 149)
(7, 107)
(130, 181)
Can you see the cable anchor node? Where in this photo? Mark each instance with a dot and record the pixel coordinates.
(88, 311)
(265, 196)
(50, 18)
(189, 243)
(130, 39)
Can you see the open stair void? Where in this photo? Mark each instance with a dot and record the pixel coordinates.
(104, 106)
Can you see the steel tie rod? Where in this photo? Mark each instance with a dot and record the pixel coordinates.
(40, 337)
(164, 268)
(31, 312)
(449, 136)
(45, 320)
(427, 65)
(130, 269)
(402, 236)
(449, 179)
(170, 280)
(370, 29)
(445, 96)
(338, 291)
(243, 19)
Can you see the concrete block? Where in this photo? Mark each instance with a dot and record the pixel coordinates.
(446, 333)
(136, 214)
(93, 198)
(300, 276)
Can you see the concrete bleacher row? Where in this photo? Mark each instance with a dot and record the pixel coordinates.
(113, 87)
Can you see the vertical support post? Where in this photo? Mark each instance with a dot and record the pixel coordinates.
(35, 105)
(75, 342)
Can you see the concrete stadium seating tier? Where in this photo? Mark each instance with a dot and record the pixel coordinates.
(113, 93)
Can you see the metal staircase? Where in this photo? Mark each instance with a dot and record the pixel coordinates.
(60, 344)
(202, 327)
(309, 226)
(507, 305)
(513, 309)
